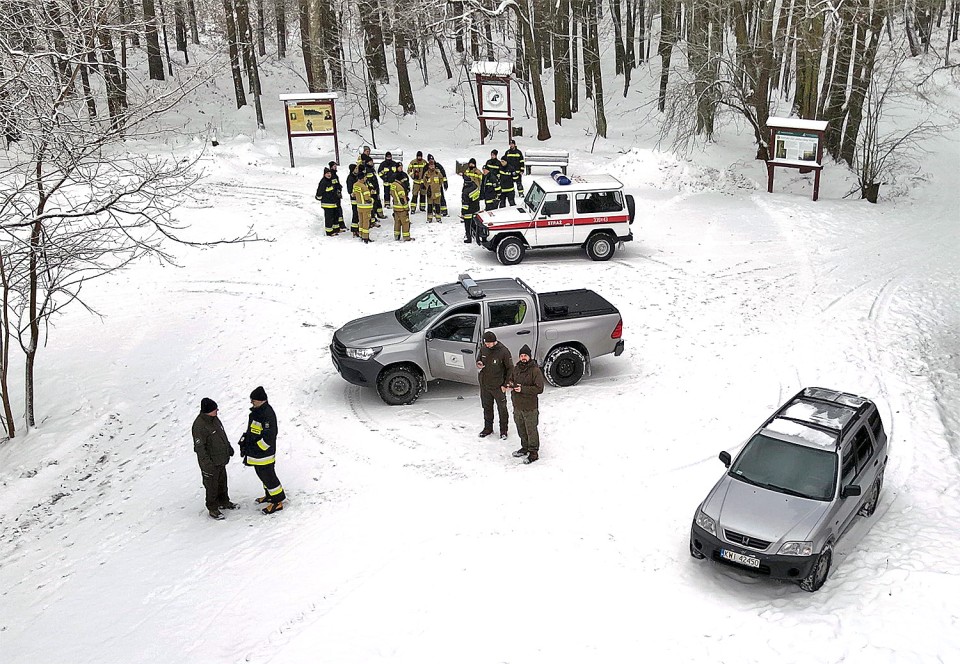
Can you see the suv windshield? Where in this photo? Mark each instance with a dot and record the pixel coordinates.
(419, 311)
(788, 468)
(533, 198)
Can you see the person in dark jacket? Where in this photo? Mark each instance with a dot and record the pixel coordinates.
(386, 171)
(355, 220)
(506, 185)
(526, 384)
(374, 183)
(327, 195)
(213, 450)
(516, 163)
(444, 185)
(493, 163)
(338, 187)
(469, 206)
(494, 363)
(490, 189)
(258, 445)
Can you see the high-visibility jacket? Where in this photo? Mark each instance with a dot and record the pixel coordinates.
(515, 161)
(474, 174)
(493, 165)
(469, 199)
(337, 185)
(327, 192)
(259, 443)
(490, 188)
(386, 170)
(399, 191)
(433, 181)
(506, 181)
(416, 169)
(362, 194)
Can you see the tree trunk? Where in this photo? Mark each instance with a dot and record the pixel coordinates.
(373, 44)
(261, 29)
(561, 71)
(192, 22)
(312, 46)
(524, 15)
(180, 29)
(601, 115)
(834, 112)
(245, 33)
(166, 43)
(281, 16)
(154, 59)
(8, 423)
(862, 77)
(234, 50)
(443, 56)
(403, 76)
(574, 60)
(332, 51)
(668, 36)
(810, 47)
(830, 46)
(619, 49)
(113, 81)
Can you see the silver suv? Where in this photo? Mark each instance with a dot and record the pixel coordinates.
(795, 488)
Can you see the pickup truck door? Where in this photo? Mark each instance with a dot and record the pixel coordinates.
(452, 348)
(554, 222)
(514, 321)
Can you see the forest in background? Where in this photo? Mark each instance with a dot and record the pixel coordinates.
(80, 79)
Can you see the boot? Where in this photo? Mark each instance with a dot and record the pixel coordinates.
(503, 435)
(215, 514)
(409, 239)
(263, 499)
(521, 453)
(228, 506)
(467, 240)
(272, 507)
(485, 433)
(533, 456)
(367, 240)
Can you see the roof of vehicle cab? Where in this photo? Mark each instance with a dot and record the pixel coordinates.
(455, 293)
(579, 183)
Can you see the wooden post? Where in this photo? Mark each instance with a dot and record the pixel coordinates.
(286, 115)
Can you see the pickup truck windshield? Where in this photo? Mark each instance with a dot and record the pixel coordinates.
(534, 197)
(418, 312)
(795, 470)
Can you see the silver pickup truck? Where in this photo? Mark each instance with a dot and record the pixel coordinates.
(436, 335)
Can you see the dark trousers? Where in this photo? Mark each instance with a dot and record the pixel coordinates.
(491, 204)
(272, 488)
(526, 421)
(386, 194)
(215, 485)
(355, 221)
(487, 398)
(507, 196)
(518, 182)
(468, 227)
(331, 220)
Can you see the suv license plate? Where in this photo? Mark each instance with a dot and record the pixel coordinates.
(740, 559)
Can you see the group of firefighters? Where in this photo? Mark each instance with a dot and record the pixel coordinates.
(419, 188)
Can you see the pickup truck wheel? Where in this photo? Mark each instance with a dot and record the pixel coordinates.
(869, 507)
(600, 247)
(400, 386)
(510, 251)
(564, 366)
(818, 573)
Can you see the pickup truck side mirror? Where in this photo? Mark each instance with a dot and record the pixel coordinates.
(429, 335)
(725, 457)
(850, 490)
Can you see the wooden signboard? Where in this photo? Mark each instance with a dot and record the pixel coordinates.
(312, 114)
(796, 143)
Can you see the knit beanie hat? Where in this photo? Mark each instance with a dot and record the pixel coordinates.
(524, 350)
(207, 405)
(259, 394)
(489, 337)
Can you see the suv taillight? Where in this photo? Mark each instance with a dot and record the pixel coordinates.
(618, 330)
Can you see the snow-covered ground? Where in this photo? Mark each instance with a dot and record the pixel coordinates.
(405, 538)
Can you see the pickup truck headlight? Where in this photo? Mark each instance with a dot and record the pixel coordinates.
(796, 549)
(364, 353)
(706, 522)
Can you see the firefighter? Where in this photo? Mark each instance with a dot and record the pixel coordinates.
(355, 219)
(443, 174)
(400, 191)
(473, 172)
(515, 161)
(493, 163)
(326, 194)
(258, 445)
(338, 191)
(469, 206)
(364, 198)
(490, 189)
(386, 170)
(415, 170)
(363, 153)
(506, 185)
(374, 183)
(433, 183)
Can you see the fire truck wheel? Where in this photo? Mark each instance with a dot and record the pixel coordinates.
(510, 251)
(600, 247)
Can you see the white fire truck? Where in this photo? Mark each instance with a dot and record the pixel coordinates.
(589, 211)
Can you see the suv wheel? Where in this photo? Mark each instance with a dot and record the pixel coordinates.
(564, 366)
(510, 251)
(818, 573)
(400, 386)
(600, 247)
(869, 507)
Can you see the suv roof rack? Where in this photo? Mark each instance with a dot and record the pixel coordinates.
(834, 411)
(474, 292)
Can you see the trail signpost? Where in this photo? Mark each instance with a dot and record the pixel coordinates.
(493, 92)
(311, 114)
(796, 143)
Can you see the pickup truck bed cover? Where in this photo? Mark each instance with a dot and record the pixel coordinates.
(577, 303)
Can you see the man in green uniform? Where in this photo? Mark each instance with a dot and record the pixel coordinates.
(213, 450)
(494, 364)
(525, 384)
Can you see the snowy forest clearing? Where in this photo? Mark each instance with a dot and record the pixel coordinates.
(405, 538)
